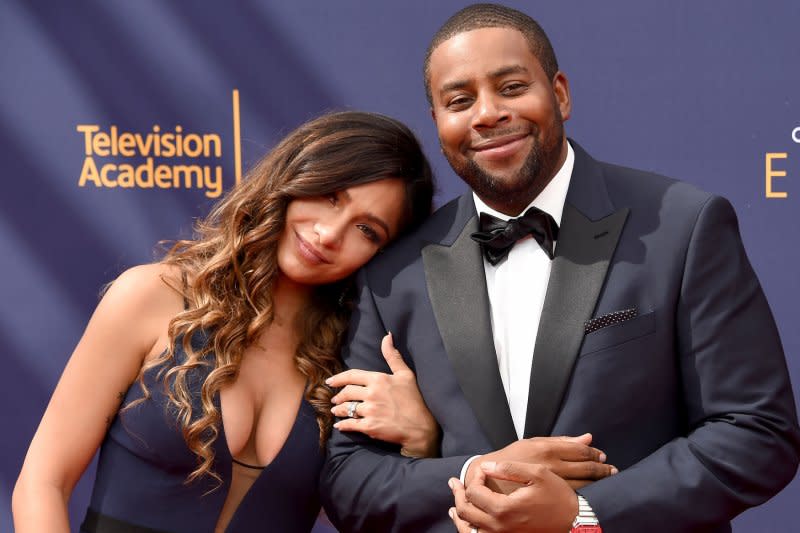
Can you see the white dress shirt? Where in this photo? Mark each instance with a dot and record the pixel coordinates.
(517, 287)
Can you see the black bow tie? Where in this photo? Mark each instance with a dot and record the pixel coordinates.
(497, 237)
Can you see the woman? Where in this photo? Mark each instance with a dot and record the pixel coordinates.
(219, 353)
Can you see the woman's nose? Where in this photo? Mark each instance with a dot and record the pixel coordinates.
(330, 231)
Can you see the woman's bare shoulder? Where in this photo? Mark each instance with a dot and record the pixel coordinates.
(153, 287)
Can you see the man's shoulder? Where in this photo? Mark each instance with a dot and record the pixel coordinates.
(632, 186)
(442, 227)
(444, 224)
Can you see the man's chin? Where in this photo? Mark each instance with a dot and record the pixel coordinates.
(505, 182)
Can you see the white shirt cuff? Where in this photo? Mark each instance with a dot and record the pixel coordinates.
(464, 468)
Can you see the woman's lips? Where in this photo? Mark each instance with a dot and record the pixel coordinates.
(309, 253)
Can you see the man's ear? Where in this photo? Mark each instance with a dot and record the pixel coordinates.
(561, 92)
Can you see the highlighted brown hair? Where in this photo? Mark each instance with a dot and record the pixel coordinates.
(231, 266)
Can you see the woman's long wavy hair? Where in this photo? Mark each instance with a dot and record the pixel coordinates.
(230, 266)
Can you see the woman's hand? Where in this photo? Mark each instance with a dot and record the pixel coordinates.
(389, 407)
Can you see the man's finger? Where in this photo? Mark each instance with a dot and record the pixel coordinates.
(484, 505)
(586, 470)
(569, 450)
(392, 355)
(461, 526)
(523, 473)
(586, 439)
(465, 509)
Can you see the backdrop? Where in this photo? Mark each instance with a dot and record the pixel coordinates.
(120, 122)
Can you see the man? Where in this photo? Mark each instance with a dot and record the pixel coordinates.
(648, 328)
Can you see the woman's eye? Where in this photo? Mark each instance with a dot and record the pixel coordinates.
(370, 233)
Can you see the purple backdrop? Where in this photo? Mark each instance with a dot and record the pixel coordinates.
(701, 91)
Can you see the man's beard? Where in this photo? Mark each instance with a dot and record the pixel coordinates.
(533, 176)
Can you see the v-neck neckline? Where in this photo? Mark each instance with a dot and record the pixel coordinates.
(223, 438)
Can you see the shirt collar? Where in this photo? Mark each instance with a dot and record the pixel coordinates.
(550, 200)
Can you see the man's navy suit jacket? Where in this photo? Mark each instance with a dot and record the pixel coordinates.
(690, 399)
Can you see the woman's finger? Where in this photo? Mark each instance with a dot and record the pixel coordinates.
(342, 410)
(351, 424)
(353, 376)
(350, 393)
(392, 355)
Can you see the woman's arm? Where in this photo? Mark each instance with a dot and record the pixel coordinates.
(129, 324)
(390, 407)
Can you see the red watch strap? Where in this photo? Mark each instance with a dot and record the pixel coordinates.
(586, 529)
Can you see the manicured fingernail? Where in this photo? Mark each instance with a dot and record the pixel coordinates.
(328, 381)
(335, 399)
(336, 425)
(614, 470)
(452, 513)
(451, 483)
(602, 457)
(488, 466)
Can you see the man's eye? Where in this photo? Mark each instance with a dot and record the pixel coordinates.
(514, 88)
(460, 102)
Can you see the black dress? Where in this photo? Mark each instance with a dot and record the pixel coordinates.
(144, 461)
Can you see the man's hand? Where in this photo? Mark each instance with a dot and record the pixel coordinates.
(570, 458)
(543, 503)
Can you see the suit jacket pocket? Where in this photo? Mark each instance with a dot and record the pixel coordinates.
(613, 335)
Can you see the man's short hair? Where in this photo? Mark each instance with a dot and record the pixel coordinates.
(479, 16)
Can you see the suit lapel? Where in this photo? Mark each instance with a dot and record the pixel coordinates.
(590, 230)
(457, 290)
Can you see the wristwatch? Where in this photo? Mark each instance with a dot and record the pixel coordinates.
(586, 521)
(586, 528)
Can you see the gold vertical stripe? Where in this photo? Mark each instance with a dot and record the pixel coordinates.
(237, 138)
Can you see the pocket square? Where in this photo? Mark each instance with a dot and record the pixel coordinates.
(609, 319)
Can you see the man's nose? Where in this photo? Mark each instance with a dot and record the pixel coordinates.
(489, 112)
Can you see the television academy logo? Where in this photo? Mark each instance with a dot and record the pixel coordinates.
(159, 158)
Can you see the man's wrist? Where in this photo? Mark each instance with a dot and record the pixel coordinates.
(465, 469)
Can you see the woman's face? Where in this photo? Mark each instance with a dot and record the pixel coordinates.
(327, 238)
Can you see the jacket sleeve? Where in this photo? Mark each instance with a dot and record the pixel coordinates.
(743, 441)
(366, 485)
